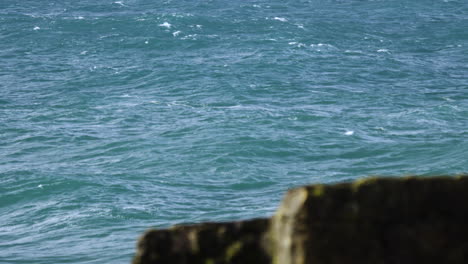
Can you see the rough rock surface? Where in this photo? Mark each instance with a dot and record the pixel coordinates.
(208, 243)
(386, 220)
(377, 220)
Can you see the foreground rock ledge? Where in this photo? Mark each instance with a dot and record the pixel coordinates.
(378, 220)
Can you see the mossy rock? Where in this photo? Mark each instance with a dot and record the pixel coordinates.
(379, 220)
(207, 243)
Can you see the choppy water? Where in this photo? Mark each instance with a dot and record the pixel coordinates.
(116, 116)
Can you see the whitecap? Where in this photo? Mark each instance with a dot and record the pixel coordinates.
(36, 28)
(353, 52)
(322, 45)
(40, 186)
(191, 36)
(297, 44)
(119, 3)
(165, 24)
(176, 33)
(383, 50)
(349, 133)
(282, 19)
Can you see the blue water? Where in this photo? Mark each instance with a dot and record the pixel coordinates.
(118, 116)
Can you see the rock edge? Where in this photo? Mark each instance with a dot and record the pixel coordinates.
(375, 220)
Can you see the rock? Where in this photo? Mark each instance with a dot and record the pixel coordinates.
(377, 220)
(387, 220)
(208, 243)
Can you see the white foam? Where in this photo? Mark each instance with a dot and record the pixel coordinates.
(297, 44)
(36, 28)
(146, 42)
(383, 50)
(40, 186)
(349, 133)
(191, 36)
(282, 19)
(322, 45)
(119, 3)
(353, 51)
(165, 24)
(176, 33)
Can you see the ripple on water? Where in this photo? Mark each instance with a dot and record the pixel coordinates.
(116, 116)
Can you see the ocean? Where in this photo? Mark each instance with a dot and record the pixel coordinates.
(119, 116)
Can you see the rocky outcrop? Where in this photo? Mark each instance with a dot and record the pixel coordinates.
(208, 243)
(411, 220)
(378, 220)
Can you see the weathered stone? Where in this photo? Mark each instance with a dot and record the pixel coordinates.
(208, 243)
(378, 220)
(386, 220)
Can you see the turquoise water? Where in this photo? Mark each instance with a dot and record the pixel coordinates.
(117, 116)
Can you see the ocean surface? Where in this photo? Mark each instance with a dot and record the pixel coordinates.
(118, 116)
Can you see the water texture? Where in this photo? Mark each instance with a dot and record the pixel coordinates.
(117, 116)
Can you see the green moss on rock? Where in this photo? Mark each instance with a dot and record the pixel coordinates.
(208, 243)
(377, 220)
